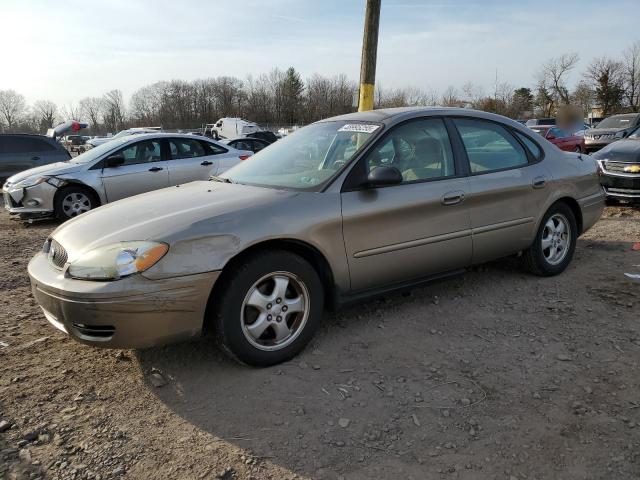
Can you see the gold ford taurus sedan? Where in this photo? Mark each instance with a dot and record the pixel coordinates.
(344, 208)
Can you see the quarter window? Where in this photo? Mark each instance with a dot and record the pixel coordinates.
(489, 146)
(186, 148)
(419, 149)
(142, 152)
(533, 147)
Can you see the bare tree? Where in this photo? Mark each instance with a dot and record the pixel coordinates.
(450, 98)
(582, 97)
(606, 79)
(46, 113)
(91, 109)
(13, 108)
(553, 76)
(70, 112)
(113, 113)
(631, 75)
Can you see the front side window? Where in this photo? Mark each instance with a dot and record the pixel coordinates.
(185, 148)
(142, 152)
(306, 159)
(489, 146)
(419, 150)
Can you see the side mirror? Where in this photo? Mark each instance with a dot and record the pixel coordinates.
(551, 136)
(384, 176)
(114, 161)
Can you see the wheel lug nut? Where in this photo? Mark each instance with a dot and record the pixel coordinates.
(269, 317)
(284, 308)
(279, 318)
(269, 306)
(278, 300)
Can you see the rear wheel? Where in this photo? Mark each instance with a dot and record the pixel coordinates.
(269, 308)
(74, 200)
(555, 242)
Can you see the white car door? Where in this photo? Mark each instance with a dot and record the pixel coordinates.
(143, 170)
(191, 159)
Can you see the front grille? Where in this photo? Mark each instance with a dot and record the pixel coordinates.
(632, 169)
(102, 332)
(622, 192)
(57, 254)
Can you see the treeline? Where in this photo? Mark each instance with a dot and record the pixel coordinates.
(608, 85)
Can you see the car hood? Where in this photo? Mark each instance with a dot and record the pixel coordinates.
(163, 215)
(58, 168)
(622, 150)
(603, 131)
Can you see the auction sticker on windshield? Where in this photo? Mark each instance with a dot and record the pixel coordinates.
(359, 128)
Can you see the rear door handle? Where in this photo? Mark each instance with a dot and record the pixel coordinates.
(539, 182)
(156, 169)
(35, 159)
(452, 198)
(206, 162)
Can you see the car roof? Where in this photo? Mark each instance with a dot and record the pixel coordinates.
(150, 135)
(394, 115)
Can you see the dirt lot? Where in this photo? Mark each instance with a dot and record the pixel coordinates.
(493, 374)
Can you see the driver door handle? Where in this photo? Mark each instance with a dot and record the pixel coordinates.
(453, 198)
(156, 169)
(206, 162)
(539, 182)
(35, 159)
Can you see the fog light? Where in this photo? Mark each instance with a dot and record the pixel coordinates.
(33, 203)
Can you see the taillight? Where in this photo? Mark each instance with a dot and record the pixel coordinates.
(244, 157)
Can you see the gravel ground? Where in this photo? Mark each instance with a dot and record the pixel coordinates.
(492, 374)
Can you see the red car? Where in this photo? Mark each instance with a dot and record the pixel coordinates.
(561, 138)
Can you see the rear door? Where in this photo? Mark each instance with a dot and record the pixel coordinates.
(507, 187)
(22, 152)
(145, 169)
(191, 160)
(414, 229)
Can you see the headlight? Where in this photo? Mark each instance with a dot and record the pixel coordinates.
(117, 260)
(619, 135)
(31, 181)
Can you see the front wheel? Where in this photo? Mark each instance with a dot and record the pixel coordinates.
(269, 308)
(555, 242)
(72, 201)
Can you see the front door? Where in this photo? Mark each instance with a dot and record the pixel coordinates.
(507, 187)
(414, 229)
(143, 170)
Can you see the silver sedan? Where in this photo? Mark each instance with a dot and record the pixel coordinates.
(342, 209)
(117, 169)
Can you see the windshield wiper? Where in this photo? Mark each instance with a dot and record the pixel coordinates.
(220, 179)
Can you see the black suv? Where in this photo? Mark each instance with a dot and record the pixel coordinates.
(20, 152)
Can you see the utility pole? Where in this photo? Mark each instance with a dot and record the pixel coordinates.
(369, 54)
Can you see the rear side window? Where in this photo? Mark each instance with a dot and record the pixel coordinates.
(186, 148)
(490, 146)
(532, 146)
(24, 145)
(213, 149)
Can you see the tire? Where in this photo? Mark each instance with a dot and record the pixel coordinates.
(73, 200)
(250, 296)
(542, 261)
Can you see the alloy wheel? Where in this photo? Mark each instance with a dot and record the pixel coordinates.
(556, 239)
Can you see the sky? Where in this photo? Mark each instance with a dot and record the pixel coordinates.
(64, 51)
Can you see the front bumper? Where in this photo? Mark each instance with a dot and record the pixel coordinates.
(36, 200)
(134, 312)
(620, 180)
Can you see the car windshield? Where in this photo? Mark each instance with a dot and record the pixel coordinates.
(635, 135)
(618, 121)
(306, 159)
(94, 153)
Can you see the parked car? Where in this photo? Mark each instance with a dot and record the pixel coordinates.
(121, 168)
(94, 142)
(20, 152)
(229, 127)
(265, 135)
(620, 168)
(347, 207)
(247, 143)
(611, 129)
(561, 138)
(532, 122)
